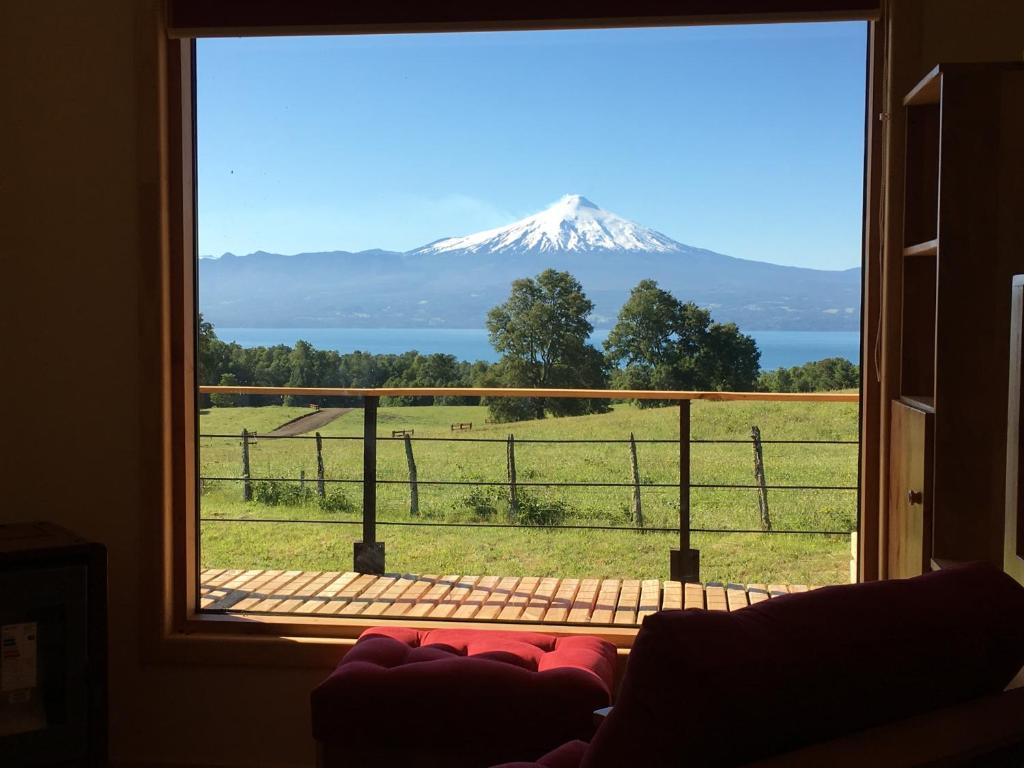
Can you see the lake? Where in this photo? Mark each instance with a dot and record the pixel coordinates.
(778, 348)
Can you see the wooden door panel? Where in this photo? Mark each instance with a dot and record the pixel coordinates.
(909, 491)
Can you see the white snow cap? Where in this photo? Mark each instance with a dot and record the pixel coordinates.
(571, 224)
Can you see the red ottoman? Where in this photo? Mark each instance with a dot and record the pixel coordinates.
(459, 698)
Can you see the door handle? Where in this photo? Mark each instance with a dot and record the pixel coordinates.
(915, 497)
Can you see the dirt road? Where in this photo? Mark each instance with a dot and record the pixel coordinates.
(308, 423)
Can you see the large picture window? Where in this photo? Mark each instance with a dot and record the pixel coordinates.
(575, 310)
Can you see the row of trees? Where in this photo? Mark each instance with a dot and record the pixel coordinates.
(541, 333)
(826, 375)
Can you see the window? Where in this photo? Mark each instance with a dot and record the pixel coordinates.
(312, 507)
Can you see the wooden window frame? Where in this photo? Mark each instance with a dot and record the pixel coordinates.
(182, 633)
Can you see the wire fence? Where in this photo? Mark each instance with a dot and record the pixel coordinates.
(514, 485)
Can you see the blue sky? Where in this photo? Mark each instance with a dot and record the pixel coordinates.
(745, 140)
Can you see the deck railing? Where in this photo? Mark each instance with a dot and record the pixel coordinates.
(369, 553)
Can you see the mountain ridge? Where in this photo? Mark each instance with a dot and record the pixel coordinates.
(453, 281)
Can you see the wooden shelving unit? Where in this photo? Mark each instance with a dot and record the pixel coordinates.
(963, 239)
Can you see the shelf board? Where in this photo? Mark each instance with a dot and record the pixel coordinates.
(927, 91)
(924, 403)
(927, 248)
(944, 563)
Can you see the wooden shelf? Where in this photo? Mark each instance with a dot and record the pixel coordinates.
(924, 403)
(927, 91)
(944, 563)
(927, 248)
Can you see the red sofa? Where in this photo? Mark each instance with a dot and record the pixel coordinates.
(904, 672)
(455, 698)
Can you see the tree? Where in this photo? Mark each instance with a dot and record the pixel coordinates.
(659, 342)
(213, 354)
(826, 375)
(225, 400)
(541, 333)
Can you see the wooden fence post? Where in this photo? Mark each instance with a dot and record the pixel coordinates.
(637, 510)
(414, 492)
(302, 481)
(246, 482)
(762, 486)
(513, 494)
(321, 491)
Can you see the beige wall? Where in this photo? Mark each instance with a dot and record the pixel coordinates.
(78, 239)
(78, 244)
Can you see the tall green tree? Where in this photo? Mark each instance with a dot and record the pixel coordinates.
(541, 333)
(214, 356)
(659, 342)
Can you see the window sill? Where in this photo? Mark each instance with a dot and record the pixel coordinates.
(311, 642)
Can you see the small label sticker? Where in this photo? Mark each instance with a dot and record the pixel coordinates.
(17, 657)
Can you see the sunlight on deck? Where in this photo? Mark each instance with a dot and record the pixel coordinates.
(527, 599)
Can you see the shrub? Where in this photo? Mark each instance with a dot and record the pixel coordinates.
(274, 494)
(534, 510)
(335, 500)
(483, 502)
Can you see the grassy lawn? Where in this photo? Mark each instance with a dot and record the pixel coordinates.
(325, 542)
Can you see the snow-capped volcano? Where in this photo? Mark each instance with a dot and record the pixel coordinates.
(573, 224)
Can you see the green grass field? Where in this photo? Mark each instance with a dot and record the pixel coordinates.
(319, 543)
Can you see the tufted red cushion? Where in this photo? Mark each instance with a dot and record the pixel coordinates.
(457, 697)
(707, 688)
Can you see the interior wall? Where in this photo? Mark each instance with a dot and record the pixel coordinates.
(79, 245)
(80, 330)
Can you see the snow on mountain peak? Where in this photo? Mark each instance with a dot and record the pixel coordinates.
(572, 224)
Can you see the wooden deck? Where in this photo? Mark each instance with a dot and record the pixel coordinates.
(527, 599)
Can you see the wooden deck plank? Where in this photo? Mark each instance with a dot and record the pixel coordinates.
(274, 601)
(206, 578)
(540, 600)
(411, 596)
(736, 596)
(795, 588)
(462, 588)
(306, 593)
(714, 594)
(346, 594)
(629, 601)
(607, 598)
(495, 601)
(230, 601)
(520, 597)
(757, 593)
(257, 595)
(215, 588)
(693, 596)
(388, 597)
(561, 603)
(583, 602)
(329, 590)
(775, 590)
(358, 604)
(650, 596)
(432, 596)
(672, 596)
(474, 600)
